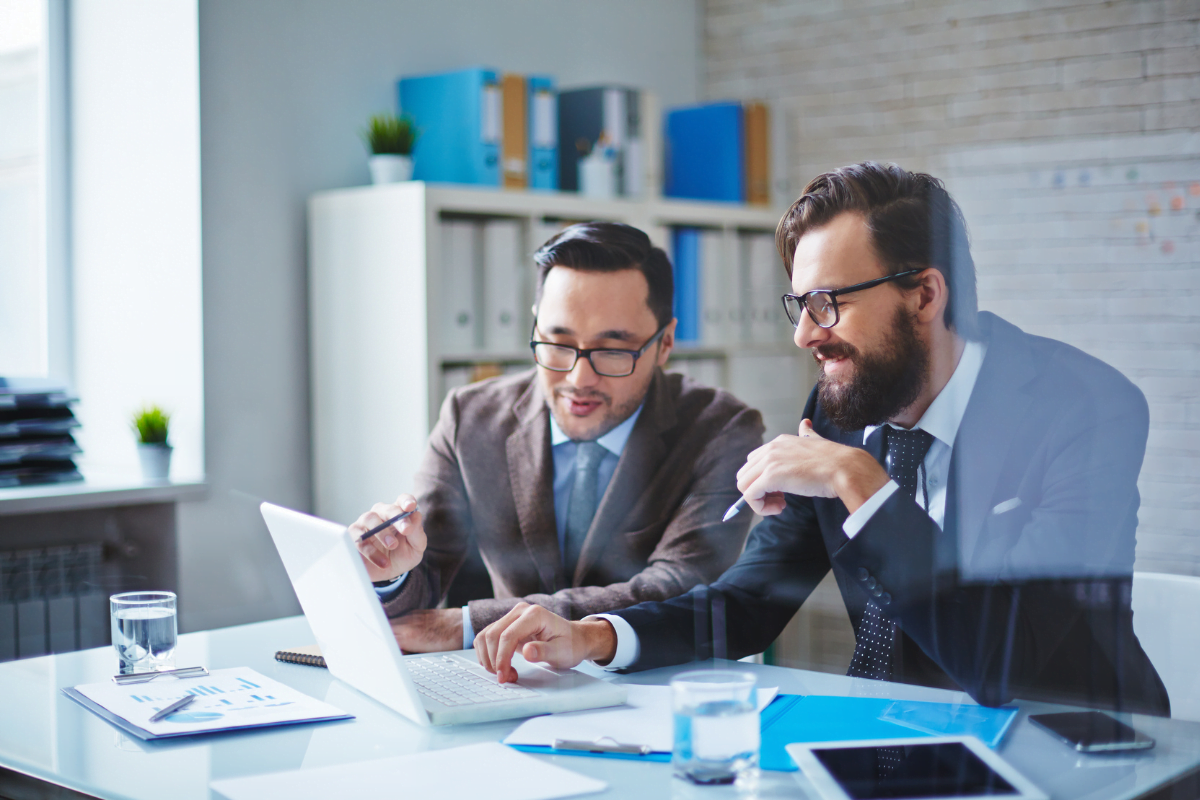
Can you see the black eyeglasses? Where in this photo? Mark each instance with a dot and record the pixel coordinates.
(605, 361)
(822, 304)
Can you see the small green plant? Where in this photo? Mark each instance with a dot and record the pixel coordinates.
(151, 424)
(390, 134)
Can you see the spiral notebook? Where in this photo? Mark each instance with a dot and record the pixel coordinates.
(309, 656)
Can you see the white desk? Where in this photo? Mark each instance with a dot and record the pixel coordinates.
(47, 736)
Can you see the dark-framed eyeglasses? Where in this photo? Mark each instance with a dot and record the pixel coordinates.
(609, 362)
(822, 304)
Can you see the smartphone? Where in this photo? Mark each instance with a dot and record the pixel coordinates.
(1092, 731)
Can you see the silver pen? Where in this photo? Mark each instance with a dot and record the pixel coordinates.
(181, 703)
(734, 509)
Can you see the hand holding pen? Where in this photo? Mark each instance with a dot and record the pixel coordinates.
(390, 538)
(772, 502)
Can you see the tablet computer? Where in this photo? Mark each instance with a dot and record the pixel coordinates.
(925, 768)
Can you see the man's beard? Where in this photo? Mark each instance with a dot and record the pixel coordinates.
(883, 384)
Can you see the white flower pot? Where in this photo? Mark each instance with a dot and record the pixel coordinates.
(389, 168)
(156, 461)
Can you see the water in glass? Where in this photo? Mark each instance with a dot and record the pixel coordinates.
(716, 726)
(144, 631)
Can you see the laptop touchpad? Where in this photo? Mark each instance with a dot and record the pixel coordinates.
(536, 676)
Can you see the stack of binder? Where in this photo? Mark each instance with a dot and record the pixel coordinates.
(36, 425)
(719, 151)
(481, 127)
(724, 297)
(486, 294)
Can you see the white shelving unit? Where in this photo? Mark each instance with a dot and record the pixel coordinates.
(377, 359)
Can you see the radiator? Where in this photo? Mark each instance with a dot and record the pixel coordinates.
(51, 601)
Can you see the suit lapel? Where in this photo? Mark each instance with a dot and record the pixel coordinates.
(531, 473)
(643, 453)
(998, 403)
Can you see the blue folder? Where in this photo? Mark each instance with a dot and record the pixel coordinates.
(705, 153)
(543, 155)
(818, 718)
(457, 115)
(686, 246)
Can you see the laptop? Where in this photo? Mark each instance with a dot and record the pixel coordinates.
(356, 640)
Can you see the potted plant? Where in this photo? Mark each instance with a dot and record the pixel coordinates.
(390, 139)
(151, 425)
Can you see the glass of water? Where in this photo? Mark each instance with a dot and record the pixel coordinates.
(716, 726)
(144, 630)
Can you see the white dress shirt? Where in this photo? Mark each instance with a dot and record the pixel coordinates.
(941, 420)
(563, 450)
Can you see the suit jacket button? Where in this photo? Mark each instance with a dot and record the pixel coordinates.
(885, 599)
(877, 591)
(863, 574)
(871, 583)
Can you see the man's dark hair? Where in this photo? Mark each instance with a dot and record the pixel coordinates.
(913, 222)
(610, 247)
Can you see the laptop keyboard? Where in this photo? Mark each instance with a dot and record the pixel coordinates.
(453, 683)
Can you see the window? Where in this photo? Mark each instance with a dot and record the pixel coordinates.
(32, 152)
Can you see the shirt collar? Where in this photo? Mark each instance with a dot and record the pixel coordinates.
(613, 441)
(945, 413)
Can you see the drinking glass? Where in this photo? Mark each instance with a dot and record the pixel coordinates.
(144, 630)
(716, 726)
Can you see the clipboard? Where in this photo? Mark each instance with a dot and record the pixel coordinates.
(226, 700)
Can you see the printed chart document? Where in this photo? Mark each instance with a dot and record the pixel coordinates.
(225, 699)
(489, 770)
(646, 719)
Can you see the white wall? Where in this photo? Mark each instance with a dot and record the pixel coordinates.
(135, 149)
(285, 85)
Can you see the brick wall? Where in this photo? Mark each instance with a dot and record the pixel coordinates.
(1069, 132)
(906, 80)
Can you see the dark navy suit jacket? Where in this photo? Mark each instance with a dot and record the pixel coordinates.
(1025, 591)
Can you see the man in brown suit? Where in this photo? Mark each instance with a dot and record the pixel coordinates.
(590, 484)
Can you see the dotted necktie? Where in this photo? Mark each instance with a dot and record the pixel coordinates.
(582, 505)
(876, 635)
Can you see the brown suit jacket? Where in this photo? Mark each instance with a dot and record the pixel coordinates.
(488, 471)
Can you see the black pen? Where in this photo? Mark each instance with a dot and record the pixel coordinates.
(383, 525)
(182, 702)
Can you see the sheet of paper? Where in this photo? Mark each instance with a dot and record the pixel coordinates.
(489, 770)
(226, 698)
(645, 719)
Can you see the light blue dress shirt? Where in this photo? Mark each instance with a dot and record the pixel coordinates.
(563, 449)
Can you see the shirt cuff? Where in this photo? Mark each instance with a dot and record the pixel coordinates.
(858, 520)
(468, 631)
(388, 593)
(629, 648)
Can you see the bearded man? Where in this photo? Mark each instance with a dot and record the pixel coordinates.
(973, 488)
